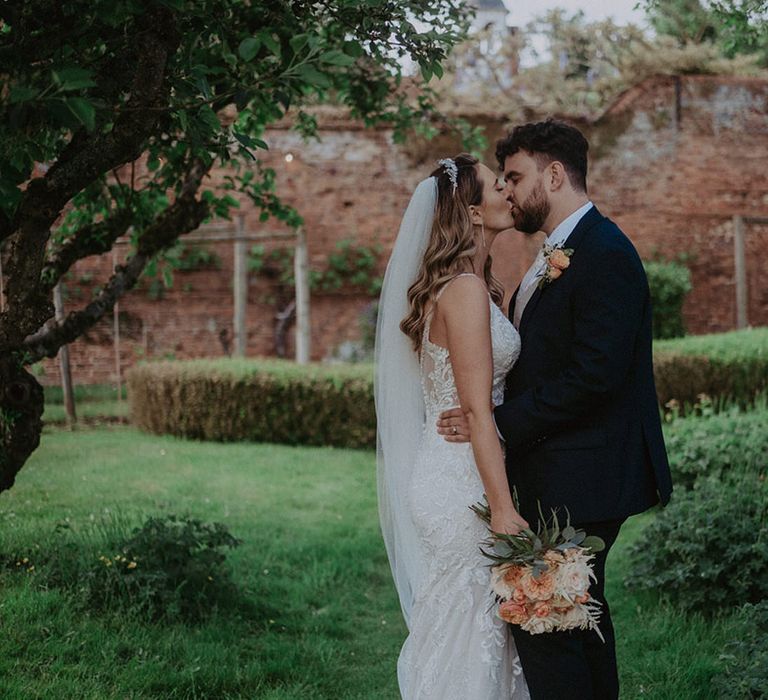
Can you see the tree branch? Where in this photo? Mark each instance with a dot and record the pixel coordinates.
(184, 215)
(92, 239)
(81, 162)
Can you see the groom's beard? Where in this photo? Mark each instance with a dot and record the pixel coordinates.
(533, 212)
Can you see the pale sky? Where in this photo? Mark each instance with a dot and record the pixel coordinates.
(622, 11)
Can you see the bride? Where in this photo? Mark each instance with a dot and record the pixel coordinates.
(442, 341)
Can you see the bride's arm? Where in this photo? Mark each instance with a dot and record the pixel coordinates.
(465, 310)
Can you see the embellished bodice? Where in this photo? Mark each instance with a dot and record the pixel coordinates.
(437, 378)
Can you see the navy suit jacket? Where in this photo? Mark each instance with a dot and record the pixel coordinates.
(580, 417)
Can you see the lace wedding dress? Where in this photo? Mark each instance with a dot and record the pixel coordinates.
(457, 648)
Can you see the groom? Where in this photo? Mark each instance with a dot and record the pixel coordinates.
(580, 418)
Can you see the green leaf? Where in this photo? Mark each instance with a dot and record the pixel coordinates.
(73, 78)
(593, 543)
(22, 93)
(337, 58)
(269, 41)
(183, 120)
(313, 76)
(208, 117)
(249, 48)
(83, 110)
(250, 141)
(298, 42)
(205, 88)
(353, 48)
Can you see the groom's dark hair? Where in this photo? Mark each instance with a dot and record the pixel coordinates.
(547, 141)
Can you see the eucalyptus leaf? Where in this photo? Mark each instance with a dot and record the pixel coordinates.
(593, 543)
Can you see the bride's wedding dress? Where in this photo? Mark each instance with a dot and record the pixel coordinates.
(457, 648)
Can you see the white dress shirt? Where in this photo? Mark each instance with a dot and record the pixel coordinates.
(556, 238)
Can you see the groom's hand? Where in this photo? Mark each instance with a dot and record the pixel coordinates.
(453, 425)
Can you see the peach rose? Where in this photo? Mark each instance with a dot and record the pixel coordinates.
(559, 259)
(518, 596)
(554, 273)
(581, 599)
(541, 588)
(513, 575)
(541, 609)
(513, 613)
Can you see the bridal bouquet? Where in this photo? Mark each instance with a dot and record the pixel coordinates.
(541, 579)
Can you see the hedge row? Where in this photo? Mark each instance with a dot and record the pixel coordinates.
(278, 401)
(725, 366)
(264, 401)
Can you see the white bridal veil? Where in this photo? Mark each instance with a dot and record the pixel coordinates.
(398, 394)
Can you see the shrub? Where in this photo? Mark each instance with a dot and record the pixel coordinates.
(708, 549)
(669, 283)
(746, 658)
(725, 366)
(265, 400)
(716, 445)
(171, 567)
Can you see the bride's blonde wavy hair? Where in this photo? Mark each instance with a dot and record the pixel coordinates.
(452, 245)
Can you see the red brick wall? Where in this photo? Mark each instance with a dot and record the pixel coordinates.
(670, 166)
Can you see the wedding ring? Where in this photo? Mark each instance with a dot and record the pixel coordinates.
(455, 430)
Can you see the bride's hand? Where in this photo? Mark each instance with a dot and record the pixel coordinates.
(511, 524)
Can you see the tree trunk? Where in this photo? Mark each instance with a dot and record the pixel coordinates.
(21, 412)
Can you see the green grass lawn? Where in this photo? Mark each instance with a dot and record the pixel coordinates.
(321, 619)
(95, 403)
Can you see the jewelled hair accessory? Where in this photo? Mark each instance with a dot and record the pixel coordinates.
(453, 172)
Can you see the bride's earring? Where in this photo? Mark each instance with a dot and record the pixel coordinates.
(482, 233)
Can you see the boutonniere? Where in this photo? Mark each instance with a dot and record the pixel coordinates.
(557, 260)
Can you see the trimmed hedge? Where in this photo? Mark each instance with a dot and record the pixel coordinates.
(279, 401)
(717, 445)
(725, 366)
(264, 401)
(669, 282)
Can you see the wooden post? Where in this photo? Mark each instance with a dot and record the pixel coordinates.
(301, 273)
(740, 272)
(240, 287)
(66, 375)
(116, 336)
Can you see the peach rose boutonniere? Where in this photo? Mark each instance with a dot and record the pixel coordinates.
(557, 261)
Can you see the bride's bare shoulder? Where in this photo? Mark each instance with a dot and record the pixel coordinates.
(464, 294)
